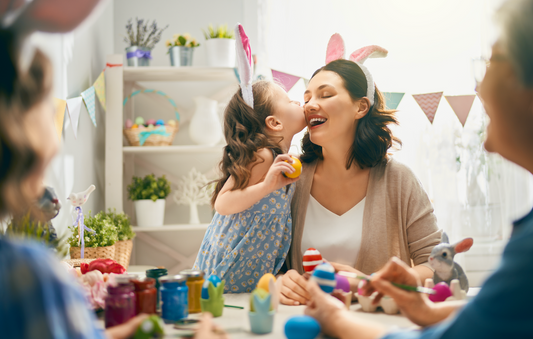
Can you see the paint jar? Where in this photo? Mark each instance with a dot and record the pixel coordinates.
(174, 298)
(145, 295)
(120, 301)
(195, 281)
(156, 273)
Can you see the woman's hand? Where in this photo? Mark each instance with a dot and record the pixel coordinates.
(127, 329)
(208, 330)
(294, 289)
(274, 178)
(354, 283)
(327, 310)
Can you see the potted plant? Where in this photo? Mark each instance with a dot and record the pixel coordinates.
(125, 236)
(148, 195)
(141, 39)
(101, 243)
(180, 49)
(220, 46)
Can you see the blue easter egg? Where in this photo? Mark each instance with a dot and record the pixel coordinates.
(211, 279)
(301, 327)
(324, 275)
(159, 122)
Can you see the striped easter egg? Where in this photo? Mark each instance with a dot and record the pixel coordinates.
(312, 258)
(324, 275)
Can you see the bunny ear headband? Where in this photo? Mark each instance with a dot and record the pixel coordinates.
(336, 51)
(244, 64)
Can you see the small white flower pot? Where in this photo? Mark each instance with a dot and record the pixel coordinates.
(149, 212)
(220, 52)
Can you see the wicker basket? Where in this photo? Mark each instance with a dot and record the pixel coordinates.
(132, 135)
(77, 262)
(107, 252)
(123, 252)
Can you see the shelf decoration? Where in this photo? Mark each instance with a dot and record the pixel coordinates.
(78, 200)
(88, 98)
(141, 39)
(287, 80)
(461, 105)
(180, 49)
(73, 109)
(428, 102)
(220, 46)
(99, 89)
(392, 99)
(193, 190)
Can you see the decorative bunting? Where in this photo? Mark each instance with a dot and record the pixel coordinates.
(393, 99)
(429, 103)
(59, 116)
(461, 105)
(73, 109)
(99, 89)
(88, 97)
(306, 82)
(287, 81)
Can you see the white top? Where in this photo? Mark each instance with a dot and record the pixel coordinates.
(336, 237)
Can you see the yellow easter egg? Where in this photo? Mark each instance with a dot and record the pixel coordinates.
(297, 166)
(171, 123)
(264, 281)
(135, 126)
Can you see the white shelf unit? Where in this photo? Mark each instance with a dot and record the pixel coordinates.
(120, 160)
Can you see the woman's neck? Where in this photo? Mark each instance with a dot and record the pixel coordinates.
(335, 158)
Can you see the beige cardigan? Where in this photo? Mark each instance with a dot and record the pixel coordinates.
(398, 219)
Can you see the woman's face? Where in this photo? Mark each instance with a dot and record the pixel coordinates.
(330, 112)
(41, 132)
(510, 108)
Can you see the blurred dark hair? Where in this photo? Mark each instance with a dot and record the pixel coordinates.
(373, 137)
(20, 90)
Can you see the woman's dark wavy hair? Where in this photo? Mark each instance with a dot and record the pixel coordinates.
(245, 132)
(373, 138)
(20, 90)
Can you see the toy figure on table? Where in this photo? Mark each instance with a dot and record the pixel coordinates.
(77, 200)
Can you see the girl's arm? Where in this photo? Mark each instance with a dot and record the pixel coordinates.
(266, 176)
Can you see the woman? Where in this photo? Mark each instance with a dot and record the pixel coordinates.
(39, 299)
(503, 306)
(359, 207)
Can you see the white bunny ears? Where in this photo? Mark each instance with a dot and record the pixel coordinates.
(244, 64)
(337, 51)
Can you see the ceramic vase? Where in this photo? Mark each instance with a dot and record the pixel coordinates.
(220, 52)
(205, 128)
(149, 212)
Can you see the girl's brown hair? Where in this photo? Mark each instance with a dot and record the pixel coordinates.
(373, 137)
(20, 90)
(245, 132)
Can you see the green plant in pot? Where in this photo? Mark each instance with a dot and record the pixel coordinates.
(181, 48)
(125, 235)
(220, 46)
(148, 195)
(101, 243)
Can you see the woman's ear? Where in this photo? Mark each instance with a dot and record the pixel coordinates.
(362, 108)
(273, 123)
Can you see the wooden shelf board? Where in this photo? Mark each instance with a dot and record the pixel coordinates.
(179, 74)
(173, 149)
(182, 227)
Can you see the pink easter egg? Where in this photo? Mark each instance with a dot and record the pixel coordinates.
(129, 123)
(342, 283)
(150, 122)
(442, 292)
(360, 287)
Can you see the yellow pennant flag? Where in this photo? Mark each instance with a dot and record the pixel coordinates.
(99, 89)
(60, 115)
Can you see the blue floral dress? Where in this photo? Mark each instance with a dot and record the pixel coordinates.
(240, 248)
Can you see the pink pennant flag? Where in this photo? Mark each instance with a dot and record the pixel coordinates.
(429, 103)
(287, 81)
(461, 105)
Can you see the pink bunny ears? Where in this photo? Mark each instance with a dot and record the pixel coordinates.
(244, 64)
(337, 51)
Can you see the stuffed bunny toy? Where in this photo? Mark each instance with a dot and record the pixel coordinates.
(441, 259)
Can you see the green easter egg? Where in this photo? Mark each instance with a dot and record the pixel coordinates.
(139, 121)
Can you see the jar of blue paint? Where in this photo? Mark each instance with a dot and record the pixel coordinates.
(174, 298)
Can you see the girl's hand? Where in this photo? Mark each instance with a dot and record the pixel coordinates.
(294, 289)
(274, 178)
(327, 310)
(126, 330)
(208, 330)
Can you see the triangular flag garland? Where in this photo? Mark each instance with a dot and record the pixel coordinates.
(60, 115)
(74, 108)
(287, 81)
(88, 97)
(429, 103)
(99, 88)
(461, 105)
(393, 99)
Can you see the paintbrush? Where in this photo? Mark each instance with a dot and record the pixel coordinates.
(418, 289)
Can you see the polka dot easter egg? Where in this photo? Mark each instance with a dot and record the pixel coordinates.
(312, 258)
(324, 275)
(211, 279)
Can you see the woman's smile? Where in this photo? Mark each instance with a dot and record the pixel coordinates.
(315, 121)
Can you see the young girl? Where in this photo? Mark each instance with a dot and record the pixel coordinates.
(250, 233)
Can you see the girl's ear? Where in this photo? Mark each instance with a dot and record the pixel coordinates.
(273, 123)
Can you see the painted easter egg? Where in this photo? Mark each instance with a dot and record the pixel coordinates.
(297, 165)
(324, 275)
(171, 123)
(150, 121)
(312, 258)
(342, 283)
(139, 121)
(443, 292)
(134, 126)
(302, 327)
(211, 279)
(265, 281)
(160, 122)
(129, 123)
(151, 126)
